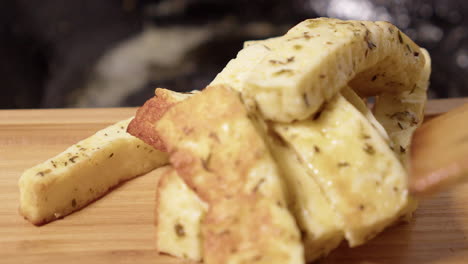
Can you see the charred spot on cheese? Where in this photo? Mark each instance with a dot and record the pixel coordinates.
(44, 172)
(72, 159)
(289, 72)
(405, 116)
(276, 62)
(343, 164)
(400, 38)
(402, 149)
(369, 149)
(365, 136)
(73, 203)
(257, 186)
(179, 230)
(317, 149)
(370, 44)
(206, 162)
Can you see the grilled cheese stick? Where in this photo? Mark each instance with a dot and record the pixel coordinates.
(84, 172)
(319, 224)
(353, 165)
(179, 213)
(402, 113)
(315, 59)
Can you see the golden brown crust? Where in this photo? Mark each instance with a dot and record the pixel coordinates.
(142, 126)
(198, 120)
(215, 148)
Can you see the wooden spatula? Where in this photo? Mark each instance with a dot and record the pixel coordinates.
(439, 153)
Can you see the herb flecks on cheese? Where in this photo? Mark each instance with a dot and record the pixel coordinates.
(84, 172)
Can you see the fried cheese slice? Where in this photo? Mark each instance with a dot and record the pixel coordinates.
(178, 210)
(401, 113)
(295, 73)
(217, 151)
(354, 167)
(179, 213)
(320, 227)
(84, 172)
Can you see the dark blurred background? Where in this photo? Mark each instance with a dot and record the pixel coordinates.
(56, 53)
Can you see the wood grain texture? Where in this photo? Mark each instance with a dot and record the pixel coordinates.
(119, 227)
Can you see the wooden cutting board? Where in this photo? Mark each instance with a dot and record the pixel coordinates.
(119, 227)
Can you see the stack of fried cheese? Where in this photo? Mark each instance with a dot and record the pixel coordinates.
(279, 159)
